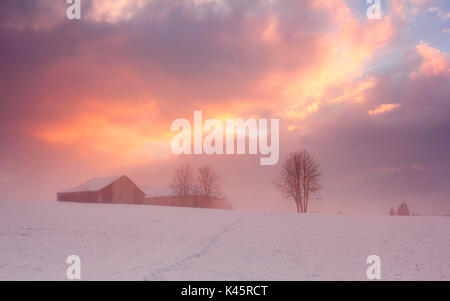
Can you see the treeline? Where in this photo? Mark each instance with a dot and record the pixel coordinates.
(402, 210)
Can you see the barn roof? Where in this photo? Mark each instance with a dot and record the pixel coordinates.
(157, 191)
(94, 184)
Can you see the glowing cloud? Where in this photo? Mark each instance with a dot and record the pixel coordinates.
(384, 108)
(114, 11)
(434, 61)
(119, 133)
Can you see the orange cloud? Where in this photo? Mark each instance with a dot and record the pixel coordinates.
(384, 108)
(340, 58)
(302, 112)
(299, 87)
(126, 134)
(344, 53)
(355, 92)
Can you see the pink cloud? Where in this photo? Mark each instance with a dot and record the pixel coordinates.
(433, 61)
(384, 108)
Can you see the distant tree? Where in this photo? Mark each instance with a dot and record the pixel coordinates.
(208, 182)
(299, 179)
(392, 211)
(403, 210)
(183, 182)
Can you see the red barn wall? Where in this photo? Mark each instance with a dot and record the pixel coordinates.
(122, 191)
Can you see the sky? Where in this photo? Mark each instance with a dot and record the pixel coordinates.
(369, 99)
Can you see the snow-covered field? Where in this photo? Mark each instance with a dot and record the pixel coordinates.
(120, 242)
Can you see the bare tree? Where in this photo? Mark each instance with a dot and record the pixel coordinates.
(183, 182)
(207, 180)
(299, 179)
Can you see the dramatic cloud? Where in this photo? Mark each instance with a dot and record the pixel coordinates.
(97, 96)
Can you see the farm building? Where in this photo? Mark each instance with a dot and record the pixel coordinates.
(119, 189)
(164, 196)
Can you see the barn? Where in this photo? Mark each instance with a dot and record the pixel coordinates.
(117, 189)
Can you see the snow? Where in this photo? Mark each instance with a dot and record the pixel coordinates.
(95, 184)
(133, 242)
